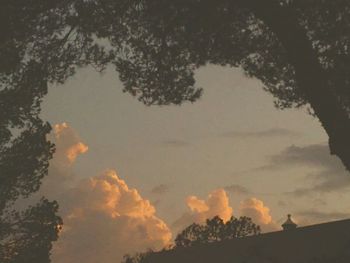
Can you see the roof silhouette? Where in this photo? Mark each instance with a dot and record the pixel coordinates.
(289, 224)
(320, 243)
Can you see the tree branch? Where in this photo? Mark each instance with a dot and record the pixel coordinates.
(310, 76)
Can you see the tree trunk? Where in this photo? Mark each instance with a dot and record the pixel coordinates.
(310, 76)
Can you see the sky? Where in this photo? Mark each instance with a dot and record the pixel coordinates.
(128, 177)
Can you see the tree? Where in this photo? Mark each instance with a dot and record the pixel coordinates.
(27, 236)
(297, 48)
(138, 257)
(216, 230)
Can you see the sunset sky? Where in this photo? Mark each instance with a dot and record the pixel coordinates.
(120, 164)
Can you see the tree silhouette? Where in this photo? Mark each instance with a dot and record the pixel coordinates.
(26, 236)
(299, 49)
(216, 230)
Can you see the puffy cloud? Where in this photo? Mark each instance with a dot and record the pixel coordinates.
(103, 217)
(197, 205)
(68, 144)
(256, 209)
(106, 219)
(75, 150)
(216, 204)
(259, 213)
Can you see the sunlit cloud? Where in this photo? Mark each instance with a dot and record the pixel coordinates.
(68, 144)
(216, 204)
(106, 219)
(75, 150)
(256, 209)
(103, 217)
(259, 213)
(59, 129)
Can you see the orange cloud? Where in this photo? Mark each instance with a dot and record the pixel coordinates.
(106, 219)
(196, 205)
(258, 212)
(103, 217)
(216, 204)
(75, 150)
(68, 144)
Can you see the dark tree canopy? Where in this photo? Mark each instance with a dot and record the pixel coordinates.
(216, 230)
(299, 49)
(26, 236)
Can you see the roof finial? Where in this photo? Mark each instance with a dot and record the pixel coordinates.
(289, 224)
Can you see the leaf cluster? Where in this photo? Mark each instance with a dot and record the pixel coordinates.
(216, 230)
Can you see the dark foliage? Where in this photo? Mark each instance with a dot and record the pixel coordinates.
(26, 236)
(299, 49)
(216, 230)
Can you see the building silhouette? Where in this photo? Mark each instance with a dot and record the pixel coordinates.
(289, 224)
(321, 243)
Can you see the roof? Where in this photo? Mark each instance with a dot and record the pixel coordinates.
(289, 223)
(326, 243)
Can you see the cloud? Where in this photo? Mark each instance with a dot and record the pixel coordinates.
(103, 217)
(216, 204)
(68, 144)
(259, 213)
(328, 173)
(274, 132)
(237, 189)
(75, 150)
(160, 189)
(311, 155)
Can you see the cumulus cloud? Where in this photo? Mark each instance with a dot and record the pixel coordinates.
(259, 213)
(106, 219)
(68, 144)
(216, 204)
(103, 217)
(75, 150)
